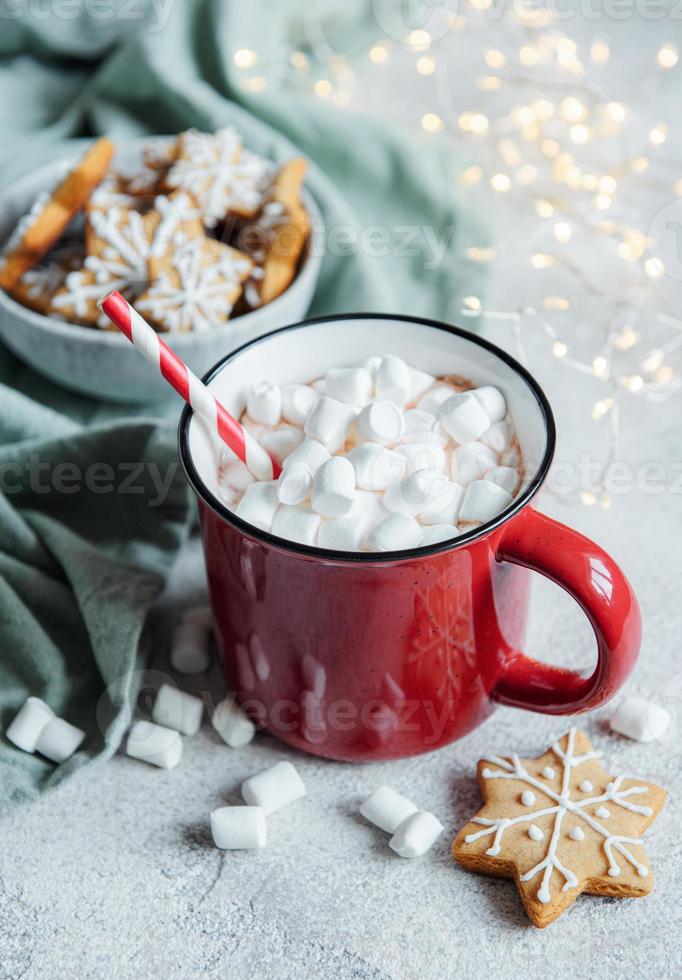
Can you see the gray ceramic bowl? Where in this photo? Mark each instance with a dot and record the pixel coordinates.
(105, 365)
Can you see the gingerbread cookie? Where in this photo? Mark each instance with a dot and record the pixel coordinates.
(38, 286)
(278, 236)
(51, 213)
(195, 284)
(559, 825)
(224, 178)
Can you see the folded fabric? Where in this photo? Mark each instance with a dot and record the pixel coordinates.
(80, 565)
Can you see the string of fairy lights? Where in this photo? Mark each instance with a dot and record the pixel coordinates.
(546, 137)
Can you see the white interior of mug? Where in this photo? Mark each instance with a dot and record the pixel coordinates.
(305, 352)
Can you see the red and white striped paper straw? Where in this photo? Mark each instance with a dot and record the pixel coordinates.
(186, 383)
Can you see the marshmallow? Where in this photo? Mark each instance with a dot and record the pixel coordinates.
(330, 423)
(393, 380)
(463, 418)
(511, 457)
(492, 402)
(190, 646)
(376, 467)
(423, 456)
(483, 501)
(640, 719)
(387, 809)
(178, 710)
(420, 382)
(499, 436)
(298, 401)
(154, 744)
(371, 365)
(239, 828)
(396, 532)
(417, 420)
(59, 740)
(346, 533)
(258, 505)
(297, 523)
(420, 491)
(505, 477)
(294, 484)
(281, 442)
(311, 452)
(264, 403)
(380, 421)
(471, 462)
(334, 487)
(232, 724)
(351, 385)
(28, 724)
(236, 475)
(446, 507)
(432, 399)
(436, 533)
(273, 788)
(370, 504)
(416, 835)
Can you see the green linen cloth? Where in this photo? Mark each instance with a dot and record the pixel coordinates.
(80, 568)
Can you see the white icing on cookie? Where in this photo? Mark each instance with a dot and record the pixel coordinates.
(527, 797)
(576, 833)
(548, 772)
(602, 812)
(560, 803)
(219, 174)
(535, 833)
(586, 786)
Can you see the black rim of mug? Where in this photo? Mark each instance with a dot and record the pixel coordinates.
(361, 557)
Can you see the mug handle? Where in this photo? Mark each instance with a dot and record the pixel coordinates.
(597, 584)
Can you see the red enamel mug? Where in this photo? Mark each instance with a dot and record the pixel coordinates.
(363, 657)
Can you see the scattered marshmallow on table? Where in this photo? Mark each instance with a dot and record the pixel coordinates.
(59, 740)
(232, 723)
(155, 744)
(334, 487)
(239, 828)
(640, 719)
(463, 418)
(387, 809)
(416, 835)
(264, 403)
(273, 788)
(28, 724)
(351, 385)
(380, 421)
(190, 646)
(296, 523)
(483, 501)
(330, 423)
(298, 401)
(178, 709)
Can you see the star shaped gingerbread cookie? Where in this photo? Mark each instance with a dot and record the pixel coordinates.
(559, 825)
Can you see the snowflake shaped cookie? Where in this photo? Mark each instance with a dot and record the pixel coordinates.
(224, 178)
(195, 284)
(559, 825)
